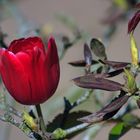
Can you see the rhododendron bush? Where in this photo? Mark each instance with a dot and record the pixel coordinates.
(30, 70)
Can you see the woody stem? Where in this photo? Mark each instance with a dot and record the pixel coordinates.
(41, 120)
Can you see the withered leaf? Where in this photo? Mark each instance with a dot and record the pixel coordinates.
(107, 112)
(92, 81)
(98, 48)
(114, 64)
(81, 63)
(87, 54)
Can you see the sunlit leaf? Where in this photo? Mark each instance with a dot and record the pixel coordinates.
(118, 130)
(106, 112)
(130, 81)
(92, 82)
(134, 51)
(134, 22)
(87, 54)
(29, 120)
(81, 63)
(98, 48)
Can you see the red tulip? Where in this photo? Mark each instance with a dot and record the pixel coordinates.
(29, 72)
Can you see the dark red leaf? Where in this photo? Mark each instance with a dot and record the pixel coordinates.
(115, 65)
(134, 22)
(87, 54)
(107, 112)
(81, 63)
(93, 82)
(114, 73)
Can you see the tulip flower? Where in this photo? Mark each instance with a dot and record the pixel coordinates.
(29, 71)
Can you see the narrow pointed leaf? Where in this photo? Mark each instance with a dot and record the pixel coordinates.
(134, 51)
(115, 65)
(115, 73)
(92, 82)
(134, 22)
(81, 63)
(29, 120)
(130, 81)
(98, 48)
(87, 54)
(107, 112)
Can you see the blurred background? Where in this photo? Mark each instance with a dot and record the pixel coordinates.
(94, 18)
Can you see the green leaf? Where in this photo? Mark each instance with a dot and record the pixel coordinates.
(128, 121)
(118, 130)
(130, 81)
(98, 48)
(134, 52)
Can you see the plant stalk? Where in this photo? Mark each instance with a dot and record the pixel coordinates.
(41, 120)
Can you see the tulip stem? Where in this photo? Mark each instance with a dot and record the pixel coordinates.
(41, 120)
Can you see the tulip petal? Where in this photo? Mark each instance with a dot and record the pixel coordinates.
(25, 44)
(36, 42)
(53, 62)
(52, 56)
(14, 77)
(38, 74)
(30, 74)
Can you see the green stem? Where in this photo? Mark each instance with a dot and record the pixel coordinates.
(41, 120)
